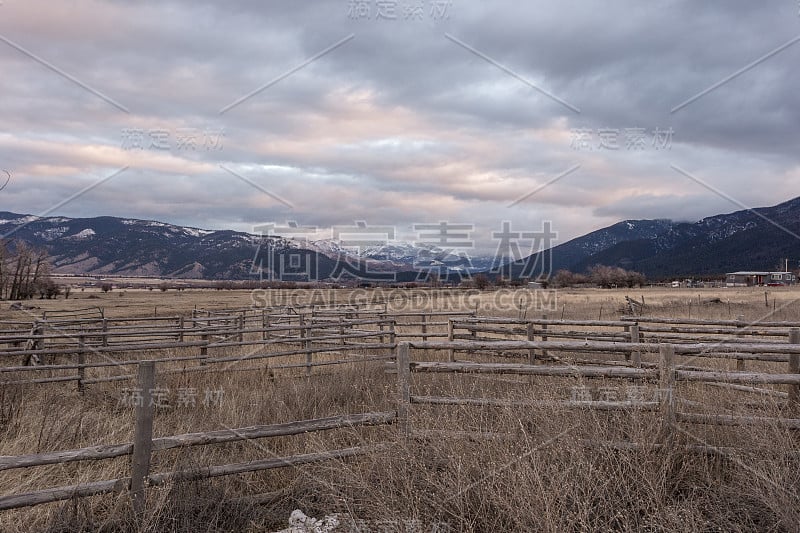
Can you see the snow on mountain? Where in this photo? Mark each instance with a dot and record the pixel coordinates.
(19, 220)
(746, 239)
(83, 234)
(196, 232)
(400, 254)
(329, 247)
(52, 233)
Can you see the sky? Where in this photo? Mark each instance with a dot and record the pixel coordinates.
(233, 115)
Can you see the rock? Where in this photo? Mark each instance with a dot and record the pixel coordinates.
(299, 522)
(19, 306)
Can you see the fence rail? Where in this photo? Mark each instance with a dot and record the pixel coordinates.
(144, 445)
(667, 373)
(89, 337)
(371, 336)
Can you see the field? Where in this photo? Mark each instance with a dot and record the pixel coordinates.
(578, 303)
(518, 460)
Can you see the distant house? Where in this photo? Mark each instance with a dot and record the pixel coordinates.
(687, 283)
(750, 279)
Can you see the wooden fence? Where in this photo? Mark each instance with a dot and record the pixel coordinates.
(633, 329)
(90, 339)
(667, 373)
(543, 351)
(144, 445)
(284, 336)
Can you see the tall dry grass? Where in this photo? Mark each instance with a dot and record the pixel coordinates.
(522, 469)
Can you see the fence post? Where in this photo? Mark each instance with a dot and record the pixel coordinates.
(180, 326)
(309, 353)
(794, 368)
(667, 392)
(241, 323)
(142, 437)
(105, 332)
(204, 349)
(403, 388)
(392, 335)
(81, 361)
(424, 328)
(264, 324)
(38, 331)
(530, 332)
(544, 337)
(637, 355)
(740, 324)
(452, 356)
(627, 329)
(306, 343)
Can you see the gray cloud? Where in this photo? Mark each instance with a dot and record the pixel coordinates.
(400, 124)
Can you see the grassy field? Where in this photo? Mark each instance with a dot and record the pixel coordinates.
(536, 473)
(573, 303)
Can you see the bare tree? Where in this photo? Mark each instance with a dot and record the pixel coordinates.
(608, 277)
(24, 272)
(565, 278)
(481, 281)
(3, 270)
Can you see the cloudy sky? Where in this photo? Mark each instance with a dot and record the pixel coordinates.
(235, 114)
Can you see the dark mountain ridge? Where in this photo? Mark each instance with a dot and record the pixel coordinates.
(749, 239)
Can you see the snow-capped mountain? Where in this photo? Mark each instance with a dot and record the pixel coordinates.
(403, 255)
(756, 239)
(121, 246)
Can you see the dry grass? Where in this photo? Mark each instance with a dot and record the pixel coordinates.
(534, 473)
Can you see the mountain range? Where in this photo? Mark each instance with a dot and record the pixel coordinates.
(104, 246)
(749, 239)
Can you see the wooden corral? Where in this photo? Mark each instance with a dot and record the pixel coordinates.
(668, 353)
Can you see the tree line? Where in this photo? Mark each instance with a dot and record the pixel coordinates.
(600, 275)
(25, 273)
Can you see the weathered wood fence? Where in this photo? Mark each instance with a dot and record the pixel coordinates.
(90, 339)
(352, 341)
(667, 373)
(633, 329)
(549, 348)
(144, 445)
